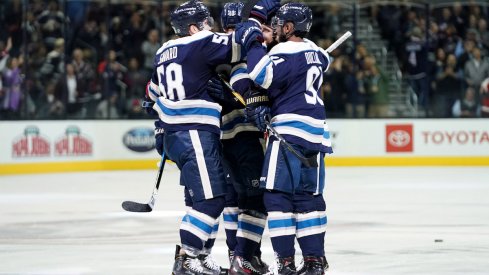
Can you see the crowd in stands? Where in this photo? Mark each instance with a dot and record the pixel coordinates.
(443, 56)
(85, 59)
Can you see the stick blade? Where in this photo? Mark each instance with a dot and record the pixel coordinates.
(132, 206)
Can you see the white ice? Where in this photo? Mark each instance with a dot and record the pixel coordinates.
(381, 220)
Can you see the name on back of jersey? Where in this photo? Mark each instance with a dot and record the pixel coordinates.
(312, 58)
(170, 53)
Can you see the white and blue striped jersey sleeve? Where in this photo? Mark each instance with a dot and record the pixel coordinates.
(265, 69)
(153, 89)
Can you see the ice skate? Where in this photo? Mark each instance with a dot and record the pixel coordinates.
(230, 256)
(313, 266)
(210, 266)
(283, 266)
(240, 266)
(259, 265)
(186, 265)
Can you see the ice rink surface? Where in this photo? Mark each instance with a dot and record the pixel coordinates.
(380, 221)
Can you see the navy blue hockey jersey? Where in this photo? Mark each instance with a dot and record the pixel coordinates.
(292, 72)
(182, 69)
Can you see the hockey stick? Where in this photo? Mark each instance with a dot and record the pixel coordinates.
(133, 206)
(245, 12)
(338, 42)
(308, 162)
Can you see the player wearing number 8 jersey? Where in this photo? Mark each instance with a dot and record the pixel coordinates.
(292, 73)
(190, 118)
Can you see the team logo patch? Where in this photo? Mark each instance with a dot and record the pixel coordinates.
(399, 138)
(139, 140)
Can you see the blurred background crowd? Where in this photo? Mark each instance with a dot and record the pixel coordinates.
(91, 59)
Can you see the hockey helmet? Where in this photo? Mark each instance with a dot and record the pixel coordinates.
(190, 13)
(231, 14)
(297, 13)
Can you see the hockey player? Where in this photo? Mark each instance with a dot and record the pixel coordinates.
(191, 122)
(190, 118)
(244, 214)
(292, 73)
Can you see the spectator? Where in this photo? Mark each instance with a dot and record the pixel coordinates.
(53, 66)
(377, 87)
(466, 55)
(113, 74)
(149, 48)
(484, 96)
(448, 89)
(459, 19)
(85, 72)
(51, 106)
(483, 34)
(440, 61)
(334, 87)
(476, 69)
(415, 64)
(136, 79)
(69, 90)
(467, 106)
(355, 92)
(51, 21)
(11, 88)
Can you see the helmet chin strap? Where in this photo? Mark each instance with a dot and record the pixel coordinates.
(284, 37)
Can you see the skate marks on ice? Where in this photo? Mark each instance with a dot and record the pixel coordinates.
(380, 221)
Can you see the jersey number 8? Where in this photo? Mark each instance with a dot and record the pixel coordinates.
(173, 77)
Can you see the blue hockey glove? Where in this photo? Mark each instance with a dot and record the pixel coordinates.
(159, 134)
(258, 116)
(248, 33)
(264, 8)
(257, 109)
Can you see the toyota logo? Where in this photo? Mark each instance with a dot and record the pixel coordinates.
(399, 138)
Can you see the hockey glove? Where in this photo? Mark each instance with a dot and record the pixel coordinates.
(257, 109)
(159, 134)
(222, 94)
(147, 104)
(264, 9)
(248, 33)
(215, 88)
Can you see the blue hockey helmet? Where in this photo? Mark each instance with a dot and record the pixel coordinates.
(190, 13)
(231, 14)
(297, 13)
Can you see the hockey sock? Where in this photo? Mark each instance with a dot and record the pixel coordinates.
(250, 230)
(282, 233)
(230, 217)
(212, 239)
(195, 229)
(310, 232)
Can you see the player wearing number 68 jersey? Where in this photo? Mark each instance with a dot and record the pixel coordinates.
(190, 118)
(292, 73)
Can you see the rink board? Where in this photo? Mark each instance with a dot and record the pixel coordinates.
(59, 146)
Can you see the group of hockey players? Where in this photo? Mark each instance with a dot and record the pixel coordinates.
(215, 137)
